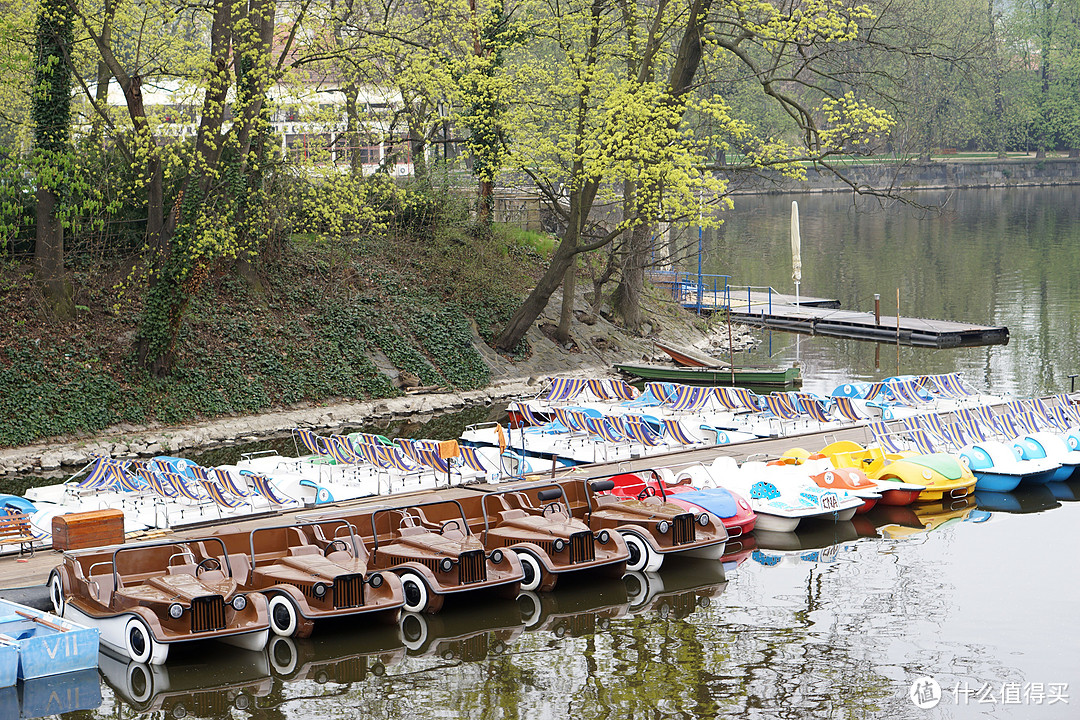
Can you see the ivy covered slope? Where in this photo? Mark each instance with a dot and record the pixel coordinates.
(310, 330)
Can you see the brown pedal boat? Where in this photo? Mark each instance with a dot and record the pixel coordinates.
(432, 560)
(308, 572)
(546, 538)
(146, 597)
(652, 527)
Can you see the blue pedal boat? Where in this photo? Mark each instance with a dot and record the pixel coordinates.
(43, 644)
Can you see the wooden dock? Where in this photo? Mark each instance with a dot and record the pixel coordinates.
(820, 316)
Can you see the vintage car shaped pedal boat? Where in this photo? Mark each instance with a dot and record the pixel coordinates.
(308, 572)
(652, 527)
(547, 540)
(733, 511)
(146, 597)
(432, 560)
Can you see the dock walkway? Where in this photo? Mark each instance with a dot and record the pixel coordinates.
(823, 316)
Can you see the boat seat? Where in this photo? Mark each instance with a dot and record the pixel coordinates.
(304, 550)
(602, 500)
(514, 514)
(101, 587)
(240, 564)
(414, 530)
(185, 569)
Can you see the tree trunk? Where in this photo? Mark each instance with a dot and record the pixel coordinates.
(101, 90)
(168, 298)
(628, 292)
(49, 257)
(51, 114)
(566, 313)
(352, 128)
(581, 202)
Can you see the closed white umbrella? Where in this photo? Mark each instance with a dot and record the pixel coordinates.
(796, 250)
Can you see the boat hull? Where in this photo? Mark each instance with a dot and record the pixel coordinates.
(741, 377)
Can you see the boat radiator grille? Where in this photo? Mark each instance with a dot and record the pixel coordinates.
(207, 614)
(349, 591)
(582, 547)
(683, 529)
(472, 567)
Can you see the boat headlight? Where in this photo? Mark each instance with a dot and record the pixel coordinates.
(603, 536)
(176, 610)
(375, 580)
(703, 519)
(239, 602)
(496, 556)
(559, 545)
(319, 590)
(663, 526)
(927, 474)
(446, 564)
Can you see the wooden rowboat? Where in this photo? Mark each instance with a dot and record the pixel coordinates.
(743, 377)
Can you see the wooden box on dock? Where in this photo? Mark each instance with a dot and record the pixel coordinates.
(88, 529)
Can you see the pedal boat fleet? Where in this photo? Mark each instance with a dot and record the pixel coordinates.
(474, 528)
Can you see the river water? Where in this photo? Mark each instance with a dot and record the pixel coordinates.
(841, 621)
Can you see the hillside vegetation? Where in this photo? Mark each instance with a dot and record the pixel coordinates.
(311, 328)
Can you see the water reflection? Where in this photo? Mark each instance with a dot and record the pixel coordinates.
(346, 661)
(990, 257)
(1024, 499)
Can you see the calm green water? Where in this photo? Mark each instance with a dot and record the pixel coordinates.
(989, 257)
(837, 622)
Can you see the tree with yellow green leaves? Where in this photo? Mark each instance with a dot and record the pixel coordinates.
(583, 126)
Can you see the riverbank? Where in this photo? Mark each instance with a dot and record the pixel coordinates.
(915, 175)
(596, 344)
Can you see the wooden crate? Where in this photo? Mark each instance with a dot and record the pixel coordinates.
(88, 529)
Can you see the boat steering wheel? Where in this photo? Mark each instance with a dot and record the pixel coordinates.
(339, 544)
(207, 564)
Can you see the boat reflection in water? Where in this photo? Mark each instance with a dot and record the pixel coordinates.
(1024, 499)
(819, 542)
(192, 685)
(678, 592)
(896, 522)
(1065, 491)
(51, 695)
(466, 634)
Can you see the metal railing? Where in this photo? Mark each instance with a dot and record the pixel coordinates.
(713, 292)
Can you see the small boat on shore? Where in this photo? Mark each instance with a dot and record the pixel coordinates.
(725, 376)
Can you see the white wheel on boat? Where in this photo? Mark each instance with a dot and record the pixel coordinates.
(56, 593)
(642, 556)
(416, 592)
(138, 641)
(414, 631)
(283, 655)
(531, 567)
(283, 615)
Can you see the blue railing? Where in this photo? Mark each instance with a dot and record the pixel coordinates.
(713, 292)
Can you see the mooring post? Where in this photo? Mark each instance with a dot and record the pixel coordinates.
(877, 308)
(1072, 382)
